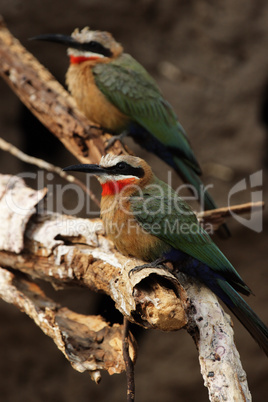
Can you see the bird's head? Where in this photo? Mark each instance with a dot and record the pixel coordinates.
(116, 172)
(86, 44)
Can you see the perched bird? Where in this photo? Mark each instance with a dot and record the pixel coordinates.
(146, 219)
(116, 92)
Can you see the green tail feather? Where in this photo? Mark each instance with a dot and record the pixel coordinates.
(245, 315)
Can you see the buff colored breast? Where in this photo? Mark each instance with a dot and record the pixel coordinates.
(91, 101)
(126, 233)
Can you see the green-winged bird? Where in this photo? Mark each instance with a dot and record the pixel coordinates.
(146, 219)
(116, 92)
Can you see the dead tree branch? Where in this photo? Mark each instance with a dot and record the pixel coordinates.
(211, 329)
(6, 146)
(71, 251)
(217, 217)
(128, 363)
(88, 342)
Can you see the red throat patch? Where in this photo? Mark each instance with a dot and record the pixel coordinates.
(80, 59)
(114, 187)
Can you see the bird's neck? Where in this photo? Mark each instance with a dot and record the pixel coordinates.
(113, 187)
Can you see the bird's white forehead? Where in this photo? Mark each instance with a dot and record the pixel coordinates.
(85, 35)
(111, 160)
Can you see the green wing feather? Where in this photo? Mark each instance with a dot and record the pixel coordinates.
(161, 212)
(128, 86)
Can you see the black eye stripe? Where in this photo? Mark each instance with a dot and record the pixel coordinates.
(95, 47)
(123, 168)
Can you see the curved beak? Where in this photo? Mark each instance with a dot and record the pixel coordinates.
(59, 38)
(69, 41)
(91, 169)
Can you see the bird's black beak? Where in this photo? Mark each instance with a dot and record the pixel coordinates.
(91, 169)
(59, 38)
(69, 41)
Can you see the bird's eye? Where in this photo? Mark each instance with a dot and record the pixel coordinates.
(93, 44)
(121, 165)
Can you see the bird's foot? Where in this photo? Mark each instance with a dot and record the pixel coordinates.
(114, 138)
(159, 263)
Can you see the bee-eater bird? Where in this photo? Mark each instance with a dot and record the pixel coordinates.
(116, 92)
(146, 219)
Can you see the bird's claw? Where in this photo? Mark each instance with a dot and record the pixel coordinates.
(155, 264)
(115, 138)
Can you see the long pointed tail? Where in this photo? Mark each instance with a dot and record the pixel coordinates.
(206, 201)
(243, 312)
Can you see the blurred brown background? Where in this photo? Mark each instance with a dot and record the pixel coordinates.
(210, 60)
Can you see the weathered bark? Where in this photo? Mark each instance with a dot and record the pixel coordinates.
(71, 251)
(219, 359)
(88, 342)
(75, 252)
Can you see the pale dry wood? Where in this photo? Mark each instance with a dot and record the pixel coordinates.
(17, 205)
(88, 259)
(88, 342)
(213, 333)
(72, 251)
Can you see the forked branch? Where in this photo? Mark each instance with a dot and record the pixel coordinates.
(67, 251)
